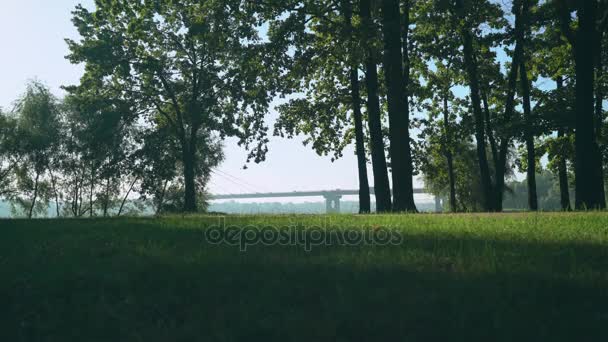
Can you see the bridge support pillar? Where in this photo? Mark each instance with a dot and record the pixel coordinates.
(438, 204)
(332, 203)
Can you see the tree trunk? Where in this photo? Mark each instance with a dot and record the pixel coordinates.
(161, 199)
(471, 67)
(31, 211)
(80, 192)
(74, 204)
(106, 202)
(189, 161)
(489, 129)
(562, 166)
(403, 198)
(381, 183)
(599, 102)
(448, 154)
(364, 196)
(564, 187)
(529, 137)
(91, 190)
(409, 167)
(56, 193)
(599, 91)
(124, 200)
(520, 10)
(588, 168)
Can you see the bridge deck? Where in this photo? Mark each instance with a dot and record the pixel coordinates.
(322, 193)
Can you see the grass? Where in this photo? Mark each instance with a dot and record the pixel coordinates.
(530, 277)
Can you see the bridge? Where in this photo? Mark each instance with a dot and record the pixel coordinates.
(332, 197)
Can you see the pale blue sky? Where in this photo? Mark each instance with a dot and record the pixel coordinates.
(32, 36)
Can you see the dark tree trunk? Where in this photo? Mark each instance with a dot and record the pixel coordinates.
(599, 91)
(562, 166)
(161, 199)
(31, 211)
(448, 154)
(381, 183)
(599, 102)
(91, 190)
(364, 193)
(189, 161)
(564, 187)
(403, 198)
(106, 202)
(124, 199)
(409, 167)
(56, 193)
(471, 67)
(529, 137)
(364, 196)
(588, 168)
(489, 130)
(520, 10)
(74, 204)
(80, 193)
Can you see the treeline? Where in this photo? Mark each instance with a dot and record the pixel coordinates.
(79, 157)
(488, 87)
(464, 92)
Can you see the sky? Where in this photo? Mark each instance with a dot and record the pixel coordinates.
(32, 46)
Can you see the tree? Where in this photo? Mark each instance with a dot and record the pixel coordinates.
(528, 120)
(441, 68)
(398, 105)
(381, 182)
(321, 39)
(465, 173)
(471, 16)
(589, 181)
(439, 85)
(97, 147)
(472, 69)
(158, 168)
(323, 76)
(199, 64)
(38, 125)
(364, 195)
(10, 154)
(447, 146)
(550, 57)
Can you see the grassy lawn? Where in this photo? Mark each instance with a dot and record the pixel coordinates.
(533, 277)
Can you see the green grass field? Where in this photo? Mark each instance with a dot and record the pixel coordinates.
(532, 277)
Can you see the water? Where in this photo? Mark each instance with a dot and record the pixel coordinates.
(252, 208)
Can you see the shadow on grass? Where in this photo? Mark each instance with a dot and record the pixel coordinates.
(139, 282)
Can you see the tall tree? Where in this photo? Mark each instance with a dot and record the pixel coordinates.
(200, 64)
(381, 182)
(588, 166)
(38, 125)
(398, 108)
(550, 57)
(364, 194)
(600, 83)
(10, 154)
(529, 129)
(323, 77)
(472, 70)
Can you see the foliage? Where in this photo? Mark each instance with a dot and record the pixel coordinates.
(37, 115)
(191, 66)
(10, 153)
(158, 167)
(548, 193)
